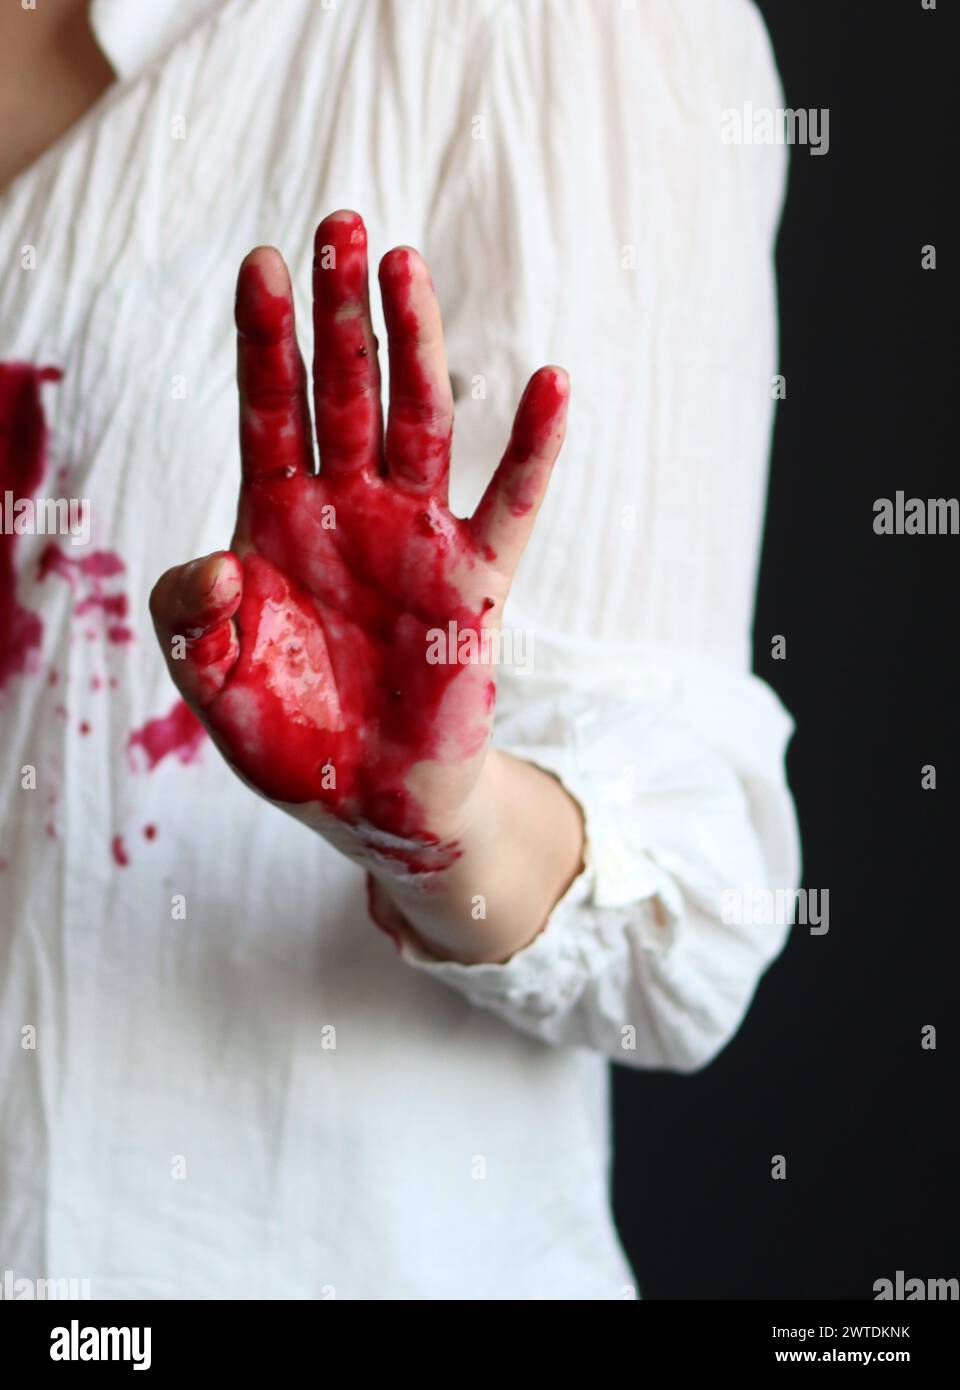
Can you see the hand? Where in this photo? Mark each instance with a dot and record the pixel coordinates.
(304, 648)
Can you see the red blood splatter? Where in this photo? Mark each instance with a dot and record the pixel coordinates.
(84, 727)
(52, 677)
(113, 604)
(23, 438)
(113, 682)
(119, 851)
(101, 564)
(90, 573)
(149, 832)
(96, 683)
(179, 733)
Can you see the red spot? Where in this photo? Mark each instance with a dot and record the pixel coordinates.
(52, 677)
(96, 683)
(102, 564)
(51, 830)
(60, 711)
(179, 733)
(119, 851)
(113, 682)
(84, 727)
(23, 440)
(114, 605)
(87, 575)
(149, 832)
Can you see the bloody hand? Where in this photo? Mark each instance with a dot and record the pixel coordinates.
(304, 648)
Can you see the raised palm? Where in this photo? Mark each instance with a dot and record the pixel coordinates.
(310, 648)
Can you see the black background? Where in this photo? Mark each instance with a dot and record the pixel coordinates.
(828, 1069)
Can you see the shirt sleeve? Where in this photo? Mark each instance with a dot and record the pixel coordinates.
(655, 951)
(599, 221)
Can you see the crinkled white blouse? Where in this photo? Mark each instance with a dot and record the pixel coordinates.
(217, 1078)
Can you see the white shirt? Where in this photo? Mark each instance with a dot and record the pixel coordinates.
(260, 1098)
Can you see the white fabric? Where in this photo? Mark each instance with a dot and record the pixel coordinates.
(184, 1127)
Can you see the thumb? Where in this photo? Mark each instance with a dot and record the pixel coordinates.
(192, 607)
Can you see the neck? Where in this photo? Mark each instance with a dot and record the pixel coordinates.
(51, 72)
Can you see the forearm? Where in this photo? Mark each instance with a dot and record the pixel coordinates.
(520, 848)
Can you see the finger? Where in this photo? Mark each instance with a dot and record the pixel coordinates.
(192, 607)
(506, 512)
(346, 374)
(420, 422)
(274, 417)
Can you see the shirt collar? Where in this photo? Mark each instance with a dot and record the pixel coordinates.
(133, 35)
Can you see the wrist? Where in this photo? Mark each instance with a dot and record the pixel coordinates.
(519, 847)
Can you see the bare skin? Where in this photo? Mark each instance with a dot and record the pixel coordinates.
(51, 72)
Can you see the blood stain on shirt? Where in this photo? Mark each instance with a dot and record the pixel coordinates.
(23, 441)
(178, 732)
(102, 564)
(87, 576)
(119, 851)
(149, 832)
